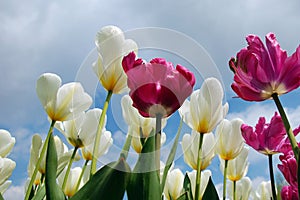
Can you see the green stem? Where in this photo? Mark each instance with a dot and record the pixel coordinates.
(234, 190)
(99, 132)
(158, 141)
(81, 174)
(224, 179)
(125, 150)
(42, 154)
(198, 175)
(69, 168)
(287, 125)
(272, 177)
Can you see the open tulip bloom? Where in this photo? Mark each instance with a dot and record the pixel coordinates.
(156, 90)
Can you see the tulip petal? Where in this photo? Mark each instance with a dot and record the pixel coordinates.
(6, 143)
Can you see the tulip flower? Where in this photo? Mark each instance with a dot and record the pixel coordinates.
(288, 168)
(72, 181)
(260, 71)
(174, 184)
(238, 167)
(4, 186)
(205, 175)
(105, 143)
(263, 191)
(229, 140)
(112, 46)
(190, 143)
(6, 143)
(243, 189)
(289, 192)
(205, 110)
(61, 102)
(229, 143)
(267, 137)
(6, 168)
(156, 88)
(138, 126)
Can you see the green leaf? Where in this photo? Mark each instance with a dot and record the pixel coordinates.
(187, 188)
(171, 157)
(53, 191)
(210, 191)
(107, 183)
(40, 193)
(1, 198)
(144, 182)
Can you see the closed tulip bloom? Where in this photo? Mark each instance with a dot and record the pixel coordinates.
(205, 110)
(6, 143)
(263, 191)
(205, 175)
(112, 46)
(260, 71)
(157, 88)
(243, 188)
(238, 167)
(6, 168)
(72, 180)
(174, 184)
(229, 140)
(138, 124)
(81, 131)
(267, 137)
(190, 143)
(61, 102)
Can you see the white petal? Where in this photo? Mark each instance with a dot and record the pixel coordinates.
(4, 186)
(6, 142)
(46, 87)
(6, 168)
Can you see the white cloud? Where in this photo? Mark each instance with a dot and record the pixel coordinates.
(14, 192)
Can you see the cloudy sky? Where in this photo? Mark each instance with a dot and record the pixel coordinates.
(57, 36)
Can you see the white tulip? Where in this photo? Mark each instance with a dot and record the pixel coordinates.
(174, 184)
(263, 191)
(112, 46)
(229, 140)
(190, 144)
(6, 143)
(205, 175)
(61, 102)
(205, 110)
(243, 188)
(4, 187)
(6, 168)
(72, 181)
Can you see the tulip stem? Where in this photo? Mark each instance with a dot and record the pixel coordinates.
(42, 154)
(81, 175)
(272, 177)
(287, 125)
(69, 168)
(234, 190)
(198, 175)
(126, 147)
(158, 141)
(224, 179)
(99, 132)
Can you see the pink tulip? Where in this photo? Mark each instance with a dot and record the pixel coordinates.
(156, 87)
(267, 137)
(260, 71)
(288, 168)
(289, 193)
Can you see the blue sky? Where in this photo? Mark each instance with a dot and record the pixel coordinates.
(57, 36)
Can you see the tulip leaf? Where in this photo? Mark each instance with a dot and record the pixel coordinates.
(40, 194)
(187, 188)
(107, 183)
(171, 156)
(144, 181)
(53, 191)
(1, 198)
(210, 191)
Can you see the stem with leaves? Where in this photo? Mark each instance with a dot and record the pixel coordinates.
(42, 154)
(69, 168)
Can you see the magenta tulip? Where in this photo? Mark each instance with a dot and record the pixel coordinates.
(260, 71)
(289, 192)
(267, 137)
(288, 168)
(157, 88)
